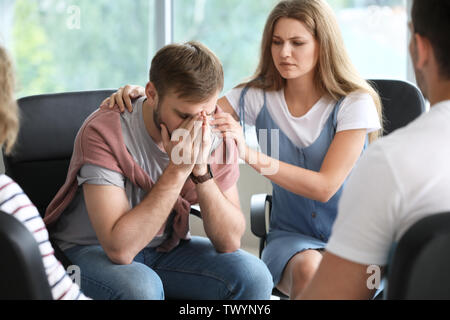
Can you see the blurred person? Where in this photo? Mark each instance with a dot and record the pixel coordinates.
(15, 202)
(401, 179)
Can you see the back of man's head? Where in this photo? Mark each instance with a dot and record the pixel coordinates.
(190, 70)
(431, 19)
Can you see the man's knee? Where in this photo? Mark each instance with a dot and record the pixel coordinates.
(250, 277)
(139, 282)
(103, 280)
(123, 282)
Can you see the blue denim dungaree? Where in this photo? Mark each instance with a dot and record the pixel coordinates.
(296, 223)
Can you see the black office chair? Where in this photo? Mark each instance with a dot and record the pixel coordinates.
(420, 265)
(402, 103)
(22, 273)
(49, 124)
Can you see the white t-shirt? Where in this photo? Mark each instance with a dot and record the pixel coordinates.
(399, 180)
(357, 111)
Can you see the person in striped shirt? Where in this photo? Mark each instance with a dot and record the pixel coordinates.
(15, 202)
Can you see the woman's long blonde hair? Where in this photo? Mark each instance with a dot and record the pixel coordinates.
(9, 113)
(335, 74)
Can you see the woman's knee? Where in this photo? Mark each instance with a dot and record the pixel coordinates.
(305, 264)
(299, 271)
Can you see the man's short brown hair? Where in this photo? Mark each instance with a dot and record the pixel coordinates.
(190, 70)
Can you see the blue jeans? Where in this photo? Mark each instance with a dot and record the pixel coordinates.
(193, 270)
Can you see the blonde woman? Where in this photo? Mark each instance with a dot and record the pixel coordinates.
(307, 92)
(14, 201)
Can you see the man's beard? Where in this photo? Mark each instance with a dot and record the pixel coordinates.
(157, 117)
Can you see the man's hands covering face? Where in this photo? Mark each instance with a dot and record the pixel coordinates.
(189, 146)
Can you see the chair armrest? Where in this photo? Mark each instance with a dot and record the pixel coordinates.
(259, 203)
(195, 210)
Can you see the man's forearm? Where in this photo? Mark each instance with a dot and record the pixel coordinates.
(223, 221)
(136, 228)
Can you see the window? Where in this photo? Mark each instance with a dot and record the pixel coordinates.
(68, 45)
(61, 45)
(374, 31)
(232, 29)
(375, 35)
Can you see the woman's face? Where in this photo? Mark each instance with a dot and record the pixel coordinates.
(295, 51)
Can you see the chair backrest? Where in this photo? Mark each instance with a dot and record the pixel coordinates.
(22, 273)
(49, 124)
(420, 267)
(402, 102)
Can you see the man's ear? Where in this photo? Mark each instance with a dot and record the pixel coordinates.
(151, 93)
(423, 51)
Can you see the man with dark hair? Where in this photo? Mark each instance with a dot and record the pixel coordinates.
(123, 214)
(400, 179)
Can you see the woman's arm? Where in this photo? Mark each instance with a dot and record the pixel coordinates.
(342, 155)
(227, 107)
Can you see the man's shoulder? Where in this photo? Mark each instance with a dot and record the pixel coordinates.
(414, 139)
(102, 123)
(401, 142)
(100, 139)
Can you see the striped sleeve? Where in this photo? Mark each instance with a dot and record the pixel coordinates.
(14, 202)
